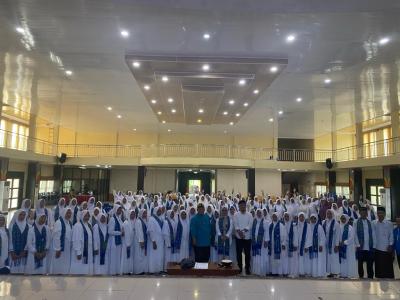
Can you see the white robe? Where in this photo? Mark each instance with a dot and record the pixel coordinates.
(332, 259)
(169, 256)
(141, 255)
(128, 240)
(62, 264)
(156, 256)
(184, 249)
(291, 265)
(276, 265)
(259, 263)
(31, 245)
(18, 266)
(78, 266)
(232, 250)
(304, 263)
(228, 234)
(348, 265)
(4, 247)
(318, 264)
(99, 269)
(115, 250)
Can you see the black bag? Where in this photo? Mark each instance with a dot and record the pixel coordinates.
(187, 263)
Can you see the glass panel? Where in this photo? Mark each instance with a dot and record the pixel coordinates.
(14, 203)
(372, 190)
(15, 193)
(16, 183)
(373, 200)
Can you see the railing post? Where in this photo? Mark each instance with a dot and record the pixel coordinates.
(294, 155)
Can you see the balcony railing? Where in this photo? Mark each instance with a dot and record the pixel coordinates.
(20, 142)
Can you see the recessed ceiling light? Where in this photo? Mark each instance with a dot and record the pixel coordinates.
(327, 80)
(280, 112)
(119, 116)
(109, 108)
(134, 129)
(245, 104)
(225, 113)
(169, 130)
(170, 100)
(154, 101)
(206, 36)
(201, 111)
(273, 69)
(165, 78)
(256, 92)
(231, 102)
(205, 67)
(271, 119)
(290, 38)
(68, 72)
(159, 113)
(173, 110)
(384, 41)
(231, 123)
(299, 99)
(136, 64)
(242, 82)
(20, 29)
(146, 87)
(237, 115)
(98, 166)
(125, 33)
(163, 121)
(199, 121)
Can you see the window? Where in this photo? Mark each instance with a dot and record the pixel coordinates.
(320, 189)
(46, 186)
(67, 186)
(374, 192)
(343, 191)
(13, 192)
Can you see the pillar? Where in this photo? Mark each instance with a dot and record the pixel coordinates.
(355, 184)
(3, 184)
(391, 176)
(251, 181)
(331, 179)
(140, 178)
(58, 178)
(32, 181)
(394, 101)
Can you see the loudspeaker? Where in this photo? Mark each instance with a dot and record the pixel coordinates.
(62, 158)
(329, 163)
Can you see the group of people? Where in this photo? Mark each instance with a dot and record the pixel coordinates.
(291, 236)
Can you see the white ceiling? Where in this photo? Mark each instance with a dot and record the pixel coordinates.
(335, 39)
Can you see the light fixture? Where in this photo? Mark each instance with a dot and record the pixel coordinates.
(163, 121)
(68, 72)
(199, 120)
(290, 38)
(384, 41)
(206, 36)
(273, 69)
(20, 30)
(327, 80)
(256, 92)
(231, 123)
(225, 131)
(245, 104)
(271, 119)
(237, 115)
(201, 111)
(169, 130)
(170, 100)
(225, 113)
(125, 33)
(98, 166)
(231, 102)
(136, 64)
(165, 78)
(134, 129)
(146, 87)
(280, 112)
(154, 101)
(119, 116)
(109, 108)
(205, 67)
(173, 110)
(299, 99)
(242, 82)
(159, 113)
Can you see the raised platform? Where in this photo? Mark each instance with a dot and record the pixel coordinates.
(213, 270)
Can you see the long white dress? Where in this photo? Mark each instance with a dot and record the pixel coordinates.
(183, 251)
(169, 256)
(31, 245)
(318, 264)
(141, 255)
(62, 264)
(348, 265)
(98, 268)
(4, 247)
(128, 247)
(276, 265)
(259, 262)
(156, 256)
(332, 259)
(18, 266)
(79, 266)
(115, 250)
(293, 257)
(232, 250)
(228, 233)
(304, 263)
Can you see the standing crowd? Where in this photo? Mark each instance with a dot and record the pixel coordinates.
(291, 236)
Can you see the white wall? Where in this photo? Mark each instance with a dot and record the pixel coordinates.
(159, 180)
(342, 176)
(268, 181)
(123, 179)
(232, 179)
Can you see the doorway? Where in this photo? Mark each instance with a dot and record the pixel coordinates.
(195, 181)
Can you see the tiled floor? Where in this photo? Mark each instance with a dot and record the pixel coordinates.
(154, 288)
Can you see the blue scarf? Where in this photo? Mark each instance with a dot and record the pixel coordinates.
(62, 239)
(360, 234)
(291, 246)
(355, 215)
(117, 227)
(330, 234)
(257, 241)
(19, 240)
(158, 221)
(303, 238)
(171, 236)
(103, 246)
(40, 244)
(56, 213)
(372, 215)
(347, 211)
(86, 243)
(144, 229)
(223, 246)
(75, 215)
(277, 239)
(178, 237)
(343, 247)
(314, 248)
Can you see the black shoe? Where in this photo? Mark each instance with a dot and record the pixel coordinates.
(248, 272)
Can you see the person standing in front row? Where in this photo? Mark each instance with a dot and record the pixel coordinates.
(200, 229)
(384, 243)
(243, 221)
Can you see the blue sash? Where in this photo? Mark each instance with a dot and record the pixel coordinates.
(178, 238)
(19, 240)
(223, 246)
(117, 227)
(56, 213)
(303, 238)
(86, 243)
(256, 241)
(360, 235)
(158, 221)
(330, 235)
(277, 239)
(40, 244)
(171, 236)
(347, 211)
(291, 246)
(103, 246)
(144, 229)
(314, 248)
(343, 248)
(355, 215)
(75, 219)
(62, 239)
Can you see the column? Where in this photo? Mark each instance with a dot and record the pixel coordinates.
(251, 181)
(3, 184)
(391, 176)
(331, 179)
(140, 178)
(355, 184)
(58, 178)
(394, 101)
(32, 181)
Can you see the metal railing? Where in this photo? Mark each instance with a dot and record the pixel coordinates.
(21, 142)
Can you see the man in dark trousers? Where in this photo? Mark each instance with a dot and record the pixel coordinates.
(200, 229)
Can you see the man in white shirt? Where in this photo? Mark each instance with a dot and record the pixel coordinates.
(384, 242)
(243, 222)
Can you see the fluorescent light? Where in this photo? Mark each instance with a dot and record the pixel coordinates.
(242, 82)
(134, 129)
(271, 119)
(109, 108)
(328, 80)
(154, 101)
(170, 100)
(119, 116)
(199, 121)
(280, 112)
(163, 121)
(20, 29)
(98, 166)
(164, 78)
(384, 41)
(169, 130)
(205, 67)
(124, 33)
(159, 113)
(206, 36)
(225, 113)
(68, 72)
(245, 104)
(201, 111)
(231, 123)
(146, 87)
(256, 92)
(237, 115)
(136, 64)
(173, 110)
(299, 99)
(231, 102)
(290, 38)
(273, 69)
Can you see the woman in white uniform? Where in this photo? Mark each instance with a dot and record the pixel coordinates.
(128, 243)
(259, 245)
(347, 252)
(304, 242)
(182, 236)
(156, 248)
(100, 245)
(277, 245)
(169, 233)
(141, 251)
(116, 233)
(18, 247)
(317, 250)
(4, 261)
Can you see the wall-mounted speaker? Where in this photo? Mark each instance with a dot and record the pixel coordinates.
(62, 158)
(329, 163)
